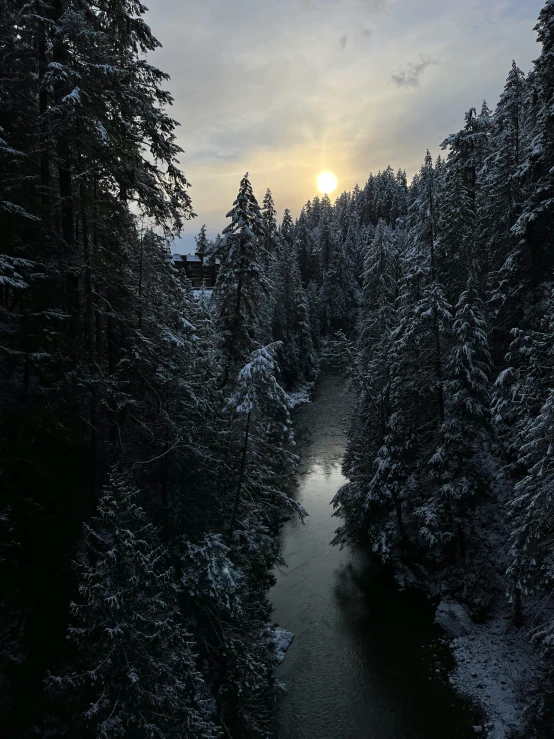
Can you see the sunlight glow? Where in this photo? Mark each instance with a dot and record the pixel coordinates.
(327, 182)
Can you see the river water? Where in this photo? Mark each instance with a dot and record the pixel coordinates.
(367, 661)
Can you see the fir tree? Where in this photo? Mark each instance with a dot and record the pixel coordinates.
(533, 229)
(501, 195)
(531, 507)
(455, 465)
(291, 320)
(241, 283)
(139, 667)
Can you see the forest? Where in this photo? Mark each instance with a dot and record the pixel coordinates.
(146, 440)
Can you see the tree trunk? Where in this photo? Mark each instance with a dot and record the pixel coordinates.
(90, 330)
(44, 131)
(518, 618)
(232, 349)
(87, 254)
(141, 254)
(400, 521)
(65, 180)
(241, 477)
(438, 366)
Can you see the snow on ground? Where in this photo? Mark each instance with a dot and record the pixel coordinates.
(302, 395)
(495, 661)
(495, 666)
(283, 640)
(206, 292)
(453, 618)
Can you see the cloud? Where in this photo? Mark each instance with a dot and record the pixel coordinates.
(411, 75)
(286, 90)
(375, 5)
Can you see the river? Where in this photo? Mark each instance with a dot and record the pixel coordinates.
(367, 661)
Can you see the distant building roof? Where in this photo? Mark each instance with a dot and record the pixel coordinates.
(193, 258)
(188, 257)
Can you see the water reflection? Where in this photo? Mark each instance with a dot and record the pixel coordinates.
(364, 657)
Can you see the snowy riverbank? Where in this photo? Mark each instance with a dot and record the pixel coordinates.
(494, 667)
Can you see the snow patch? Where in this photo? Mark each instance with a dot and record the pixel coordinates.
(302, 395)
(282, 639)
(453, 618)
(494, 667)
(205, 292)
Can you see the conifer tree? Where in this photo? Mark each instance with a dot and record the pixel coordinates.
(469, 147)
(374, 491)
(455, 466)
(380, 286)
(501, 191)
(241, 282)
(264, 405)
(531, 507)
(291, 320)
(259, 408)
(272, 252)
(534, 226)
(201, 241)
(456, 248)
(138, 664)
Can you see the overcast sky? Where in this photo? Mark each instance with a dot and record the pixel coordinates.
(284, 89)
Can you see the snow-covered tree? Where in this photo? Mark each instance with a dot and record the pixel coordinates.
(264, 405)
(455, 467)
(533, 229)
(500, 197)
(531, 552)
(456, 249)
(241, 282)
(138, 663)
(202, 241)
(291, 319)
(380, 287)
(469, 147)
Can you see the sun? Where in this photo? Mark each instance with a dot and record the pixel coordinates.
(327, 182)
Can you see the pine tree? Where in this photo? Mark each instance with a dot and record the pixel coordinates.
(269, 217)
(455, 465)
(531, 507)
(305, 250)
(271, 246)
(264, 406)
(201, 241)
(533, 228)
(522, 385)
(380, 286)
(372, 500)
(291, 320)
(501, 196)
(456, 249)
(241, 282)
(469, 147)
(261, 425)
(339, 288)
(138, 666)
(80, 108)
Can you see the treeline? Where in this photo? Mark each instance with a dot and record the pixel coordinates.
(145, 433)
(450, 459)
